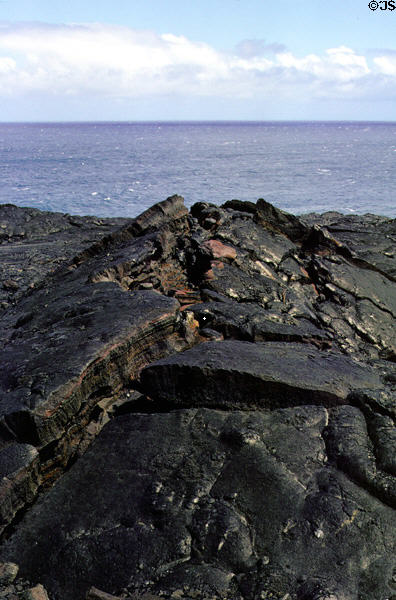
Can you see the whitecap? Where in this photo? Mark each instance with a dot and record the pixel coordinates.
(94, 193)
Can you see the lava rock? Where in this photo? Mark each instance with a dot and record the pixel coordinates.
(95, 594)
(215, 504)
(79, 337)
(38, 592)
(252, 322)
(139, 458)
(232, 374)
(8, 572)
(34, 243)
(273, 218)
(19, 479)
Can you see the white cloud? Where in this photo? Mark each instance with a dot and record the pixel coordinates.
(115, 61)
(386, 64)
(347, 64)
(7, 64)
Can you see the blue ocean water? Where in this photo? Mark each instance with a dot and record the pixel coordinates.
(120, 169)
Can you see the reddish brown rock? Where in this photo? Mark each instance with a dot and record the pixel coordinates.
(218, 264)
(38, 592)
(209, 275)
(187, 296)
(220, 250)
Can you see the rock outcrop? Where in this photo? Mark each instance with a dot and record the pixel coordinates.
(199, 405)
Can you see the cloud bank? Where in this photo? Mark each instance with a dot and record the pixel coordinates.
(114, 61)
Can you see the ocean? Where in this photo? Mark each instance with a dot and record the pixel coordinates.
(120, 169)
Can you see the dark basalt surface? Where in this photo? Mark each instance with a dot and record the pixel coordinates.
(198, 405)
(231, 373)
(34, 243)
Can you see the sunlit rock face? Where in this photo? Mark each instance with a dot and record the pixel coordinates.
(199, 404)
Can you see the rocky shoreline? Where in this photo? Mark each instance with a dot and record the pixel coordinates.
(197, 405)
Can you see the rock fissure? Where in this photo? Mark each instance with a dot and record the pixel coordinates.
(213, 393)
(351, 447)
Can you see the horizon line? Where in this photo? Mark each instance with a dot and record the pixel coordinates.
(191, 121)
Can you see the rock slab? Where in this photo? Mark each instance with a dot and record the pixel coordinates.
(234, 373)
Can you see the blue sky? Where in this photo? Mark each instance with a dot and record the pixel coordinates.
(196, 59)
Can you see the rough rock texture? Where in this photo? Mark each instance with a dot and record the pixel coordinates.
(76, 340)
(13, 587)
(33, 243)
(231, 373)
(236, 366)
(223, 504)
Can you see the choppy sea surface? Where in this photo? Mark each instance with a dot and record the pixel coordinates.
(120, 169)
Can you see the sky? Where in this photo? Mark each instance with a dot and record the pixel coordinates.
(134, 60)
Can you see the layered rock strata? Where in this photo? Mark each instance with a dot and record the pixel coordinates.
(236, 366)
(72, 345)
